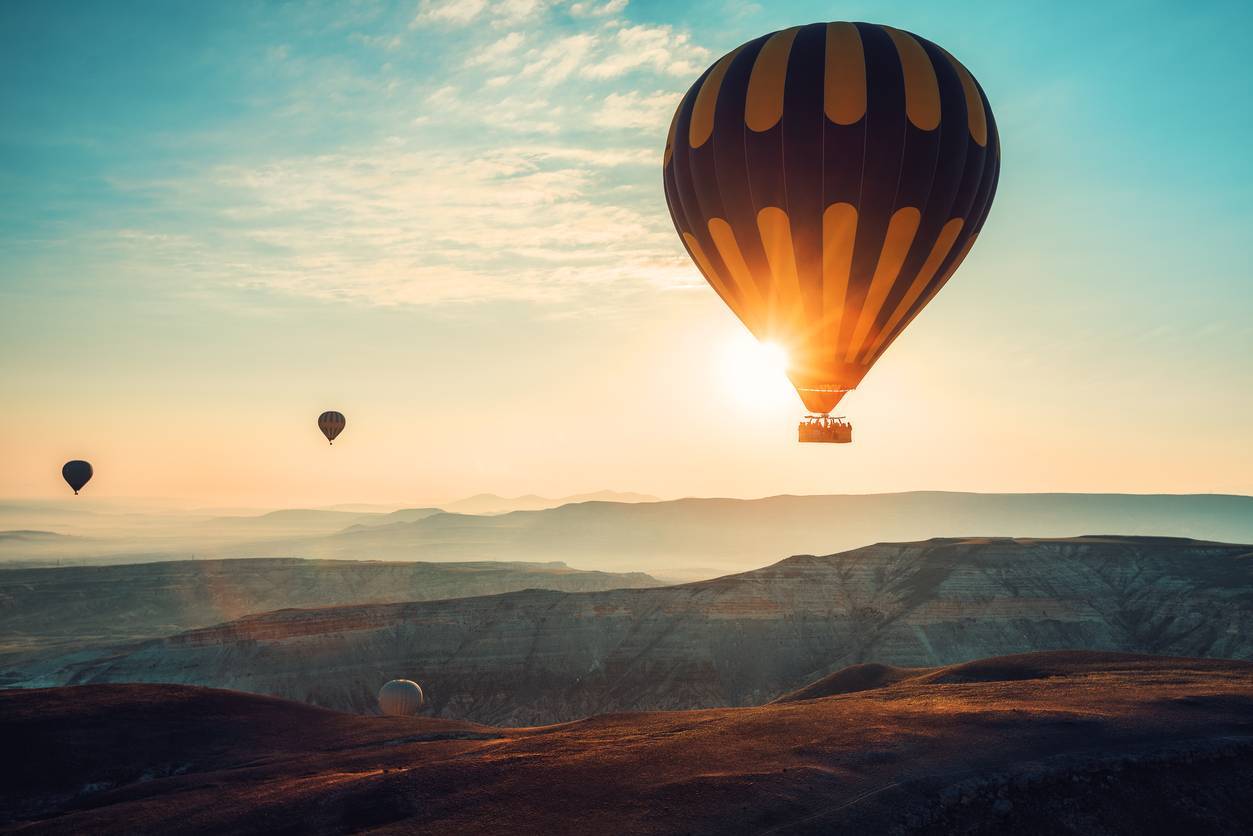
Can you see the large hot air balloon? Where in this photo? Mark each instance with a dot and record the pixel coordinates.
(401, 697)
(331, 424)
(76, 474)
(827, 180)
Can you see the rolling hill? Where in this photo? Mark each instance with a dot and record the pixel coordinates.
(1064, 743)
(72, 607)
(737, 640)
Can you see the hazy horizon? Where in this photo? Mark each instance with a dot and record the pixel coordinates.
(142, 503)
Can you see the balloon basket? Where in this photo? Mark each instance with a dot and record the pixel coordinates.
(823, 429)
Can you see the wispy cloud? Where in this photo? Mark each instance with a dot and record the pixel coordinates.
(497, 51)
(556, 61)
(658, 48)
(396, 225)
(449, 11)
(463, 12)
(641, 111)
(526, 168)
(604, 9)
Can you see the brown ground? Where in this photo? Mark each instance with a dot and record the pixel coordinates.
(1041, 743)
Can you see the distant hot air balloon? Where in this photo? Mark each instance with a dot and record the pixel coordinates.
(76, 473)
(331, 424)
(827, 180)
(401, 697)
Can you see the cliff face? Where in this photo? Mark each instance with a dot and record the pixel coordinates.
(541, 656)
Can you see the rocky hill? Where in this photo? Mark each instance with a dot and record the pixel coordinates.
(85, 605)
(542, 656)
(1063, 743)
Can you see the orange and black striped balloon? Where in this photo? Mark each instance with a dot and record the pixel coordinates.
(827, 180)
(331, 424)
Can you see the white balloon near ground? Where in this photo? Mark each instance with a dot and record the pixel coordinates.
(401, 698)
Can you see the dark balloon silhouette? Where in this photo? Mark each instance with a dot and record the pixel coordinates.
(827, 180)
(76, 474)
(331, 424)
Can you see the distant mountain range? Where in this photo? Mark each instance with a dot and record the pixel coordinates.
(313, 521)
(30, 536)
(490, 503)
(539, 656)
(673, 540)
(693, 538)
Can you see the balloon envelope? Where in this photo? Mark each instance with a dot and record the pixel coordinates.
(827, 180)
(76, 474)
(331, 424)
(402, 697)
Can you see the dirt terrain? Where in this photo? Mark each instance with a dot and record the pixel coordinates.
(1040, 743)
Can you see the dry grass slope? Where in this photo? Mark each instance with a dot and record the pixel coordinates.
(1055, 742)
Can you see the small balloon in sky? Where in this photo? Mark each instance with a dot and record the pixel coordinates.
(76, 474)
(331, 424)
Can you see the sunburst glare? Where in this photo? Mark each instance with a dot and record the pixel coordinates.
(755, 373)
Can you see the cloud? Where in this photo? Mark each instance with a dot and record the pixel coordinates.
(497, 51)
(443, 97)
(640, 111)
(455, 12)
(471, 180)
(388, 42)
(398, 225)
(610, 7)
(656, 48)
(555, 62)
(464, 12)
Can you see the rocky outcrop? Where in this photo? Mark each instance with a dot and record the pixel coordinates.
(542, 656)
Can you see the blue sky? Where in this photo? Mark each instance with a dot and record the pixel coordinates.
(216, 218)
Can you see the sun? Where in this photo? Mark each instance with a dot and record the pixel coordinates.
(755, 373)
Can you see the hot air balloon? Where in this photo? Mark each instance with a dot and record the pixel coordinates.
(76, 474)
(827, 180)
(401, 697)
(331, 424)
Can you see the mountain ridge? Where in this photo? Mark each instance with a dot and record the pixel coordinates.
(666, 538)
(736, 640)
(43, 609)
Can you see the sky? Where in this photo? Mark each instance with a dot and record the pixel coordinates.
(446, 220)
